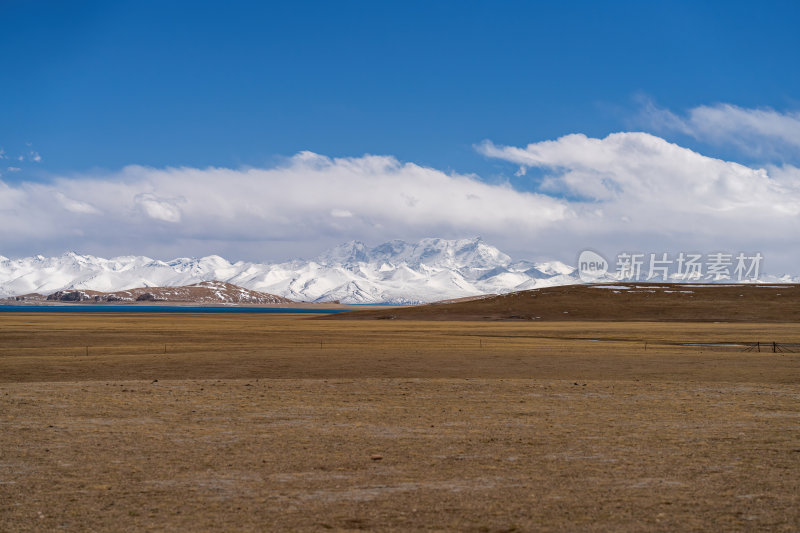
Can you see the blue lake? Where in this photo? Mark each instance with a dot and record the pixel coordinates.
(99, 308)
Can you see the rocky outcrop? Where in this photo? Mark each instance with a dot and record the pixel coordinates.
(69, 296)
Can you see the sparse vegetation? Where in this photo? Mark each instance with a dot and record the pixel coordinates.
(275, 422)
(687, 302)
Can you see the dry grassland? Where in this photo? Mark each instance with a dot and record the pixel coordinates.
(262, 422)
(681, 302)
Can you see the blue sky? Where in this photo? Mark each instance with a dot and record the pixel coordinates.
(107, 84)
(91, 88)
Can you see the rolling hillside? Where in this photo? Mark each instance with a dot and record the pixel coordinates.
(641, 301)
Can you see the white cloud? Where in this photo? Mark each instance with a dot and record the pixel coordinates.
(762, 132)
(639, 167)
(628, 191)
(637, 191)
(31, 155)
(257, 213)
(75, 206)
(158, 208)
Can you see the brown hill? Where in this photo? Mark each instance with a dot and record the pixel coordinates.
(639, 301)
(203, 292)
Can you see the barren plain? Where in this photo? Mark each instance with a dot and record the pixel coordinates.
(155, 422)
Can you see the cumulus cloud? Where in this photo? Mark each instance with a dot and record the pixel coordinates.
(310, 199)
(762, 132)
(637, 191)
(624, 192)
(639, 167)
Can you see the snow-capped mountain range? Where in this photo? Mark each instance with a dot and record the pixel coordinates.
(394, 272)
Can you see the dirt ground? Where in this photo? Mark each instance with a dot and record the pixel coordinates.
(259, 422)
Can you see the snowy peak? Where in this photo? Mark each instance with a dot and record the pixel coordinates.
(347, 254)
(441, 253)
(393, 272)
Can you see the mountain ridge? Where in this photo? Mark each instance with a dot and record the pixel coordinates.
(396, 272)
(205, 292)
